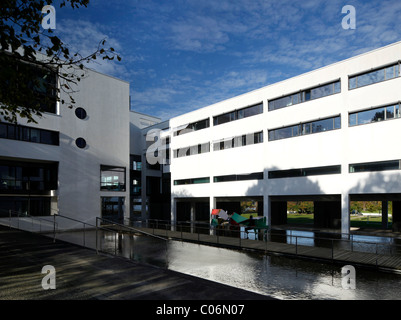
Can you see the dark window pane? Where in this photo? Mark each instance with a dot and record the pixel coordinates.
(12, 132)
(252, 111)
(81, 143)
(375, 166)
(322, 125)
(3, 130)
(80, 113)
(35, 135)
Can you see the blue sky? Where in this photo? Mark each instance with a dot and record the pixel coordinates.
(181, 55)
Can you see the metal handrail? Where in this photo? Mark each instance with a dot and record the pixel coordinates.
(351, 241)
(133, 230)
(26, 215)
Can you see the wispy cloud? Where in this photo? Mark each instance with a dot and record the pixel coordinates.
(182, 55)
(84, 37)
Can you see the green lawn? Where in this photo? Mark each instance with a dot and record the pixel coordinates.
(356, 221)
(300, 218)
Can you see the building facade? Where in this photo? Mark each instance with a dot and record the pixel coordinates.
(327, 136)
(73, 162)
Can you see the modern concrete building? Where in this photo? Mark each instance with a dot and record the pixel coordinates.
(328, 136)
(73, 162)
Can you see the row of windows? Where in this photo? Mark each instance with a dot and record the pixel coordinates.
(357, 118)
(238, 114)
(374, 76)
(28, 177)
(305, 128)
(363, 79)
(375, 115)
(304, 172)
(305, 95)
(22, 133)
(193, 150)
(301, 172)
(239, 141)
(225, 178)
(195, 126)
(375, 166)
(239, 177)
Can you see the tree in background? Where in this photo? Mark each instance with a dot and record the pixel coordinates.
(35, 64)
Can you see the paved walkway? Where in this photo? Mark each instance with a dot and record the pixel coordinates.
(81, 274)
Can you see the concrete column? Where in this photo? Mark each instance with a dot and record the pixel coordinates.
(385, 214)
(267, 209)
(192, 216)
(173, 210)
(345, 214)
(212, 205)
(396, 216)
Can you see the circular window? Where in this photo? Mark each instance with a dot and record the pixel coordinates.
(81, 143)
(80, 113)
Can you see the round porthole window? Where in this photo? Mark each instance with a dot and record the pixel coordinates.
(81, 143)
(80, 113)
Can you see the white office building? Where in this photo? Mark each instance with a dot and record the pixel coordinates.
(329, 136)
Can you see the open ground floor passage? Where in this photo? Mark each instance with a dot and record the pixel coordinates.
(336, 212)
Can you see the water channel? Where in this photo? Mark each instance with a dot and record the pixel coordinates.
(276, 276)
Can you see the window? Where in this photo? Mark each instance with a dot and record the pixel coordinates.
(113, 208)
(305, 128)
(41, 84)
(136, 162)
(374, 115)
(195, 126)
(375, 76)
(28, 134)
(191, 181)
(375, 166)
(80, 113)
(305, 95)
(112, 178)
(238, 114)
(293, 173)
(192, 150)
(238, 141)
(81, 143)
(28, 177)
(239, 177)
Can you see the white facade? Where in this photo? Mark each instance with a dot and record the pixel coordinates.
(373, 142)
(211, 163)
(106, 131)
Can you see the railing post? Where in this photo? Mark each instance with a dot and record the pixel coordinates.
(54, 228)
(97, 249)
(84, 234)
(296, 245)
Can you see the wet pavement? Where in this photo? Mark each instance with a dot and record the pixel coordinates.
(81, 274)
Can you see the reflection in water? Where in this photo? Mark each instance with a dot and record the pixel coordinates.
(278, 276)
(275, 276)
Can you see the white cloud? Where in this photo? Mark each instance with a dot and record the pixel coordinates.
(84, 37)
